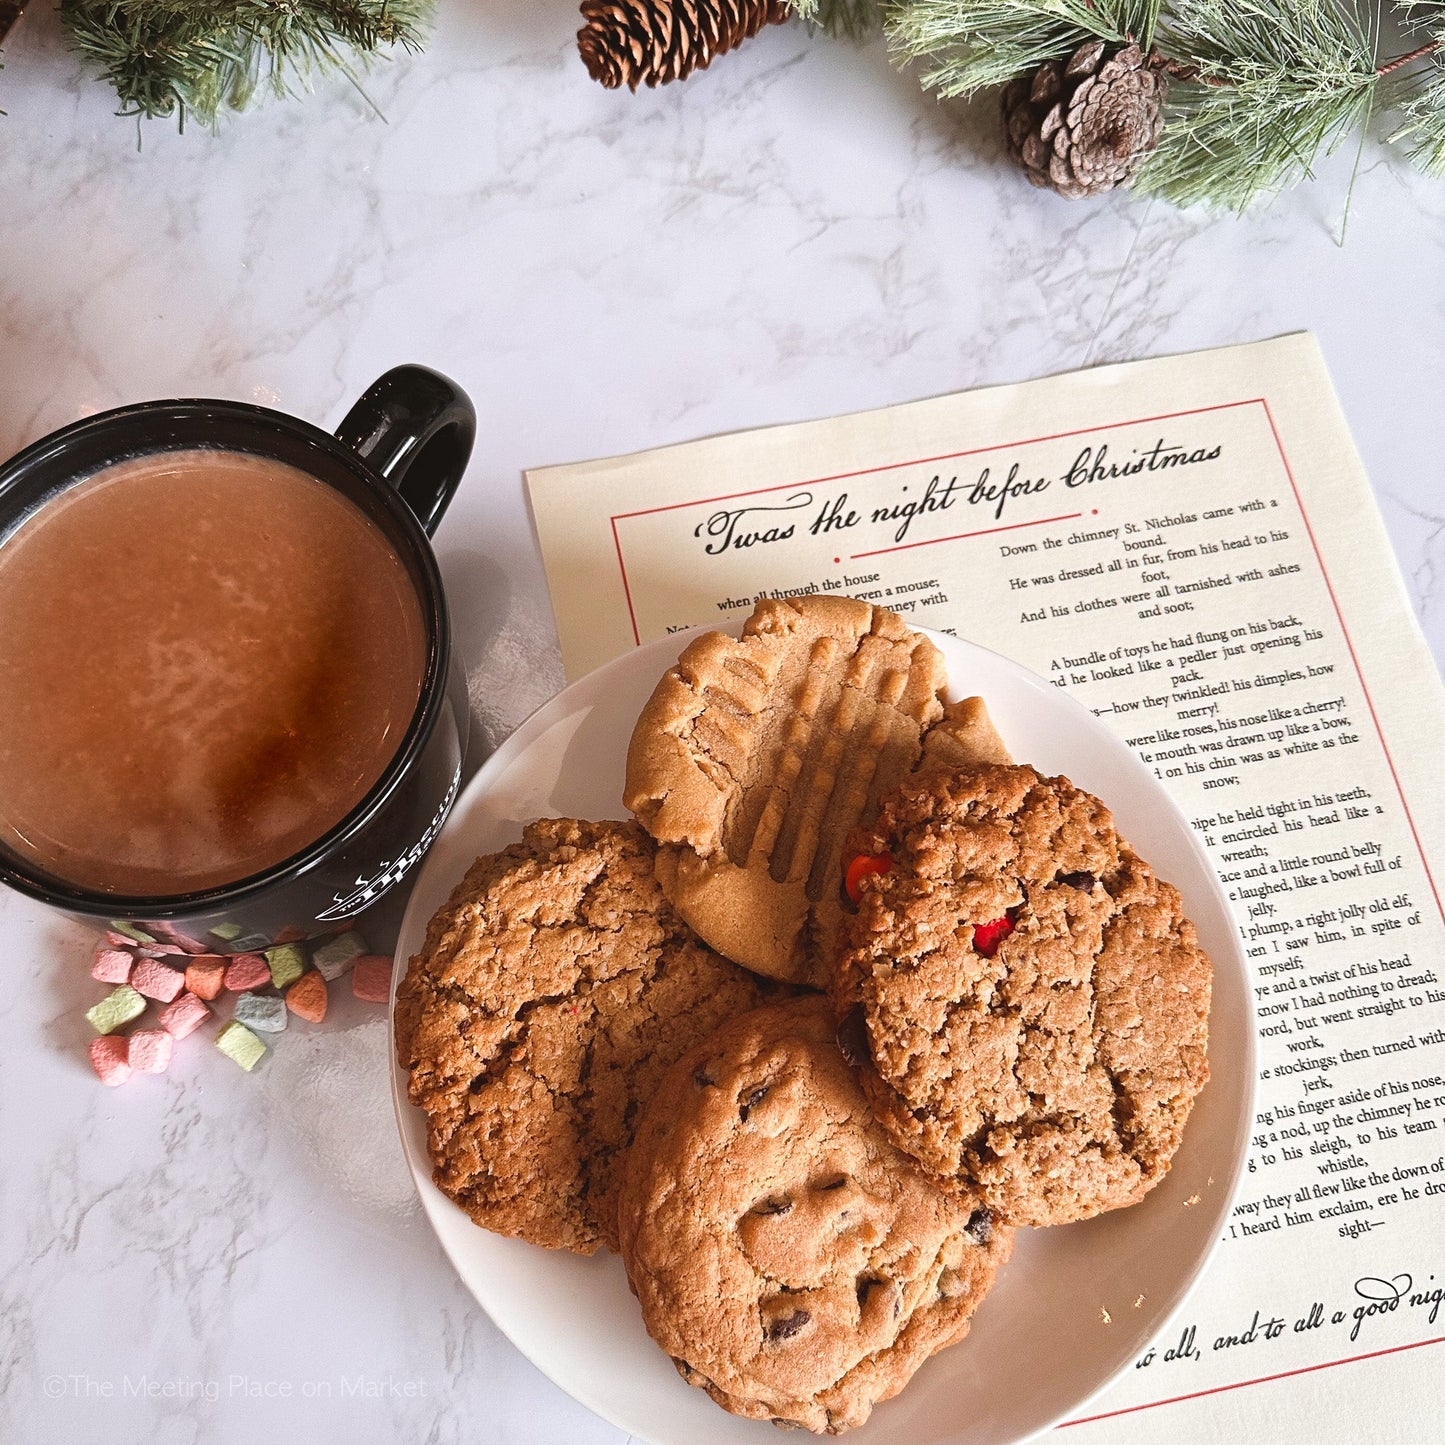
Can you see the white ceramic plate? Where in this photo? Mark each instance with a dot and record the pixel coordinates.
(1062, 1320)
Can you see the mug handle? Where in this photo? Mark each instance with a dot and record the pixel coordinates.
(414, 428)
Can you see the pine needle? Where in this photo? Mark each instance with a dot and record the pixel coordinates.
(1279, 83)
(193, 60)
(851, 18)
(972, 45)
(1417, 91)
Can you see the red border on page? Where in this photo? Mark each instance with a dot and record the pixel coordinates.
(1240, 1384)
(1259, 401)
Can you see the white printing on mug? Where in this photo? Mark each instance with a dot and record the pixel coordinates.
(368, 890)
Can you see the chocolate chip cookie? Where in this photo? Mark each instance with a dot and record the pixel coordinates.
(1026, 1001)
(553, 991)
(755, 756)
(789, 1258)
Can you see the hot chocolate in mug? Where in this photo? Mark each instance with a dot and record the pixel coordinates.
(229, 704)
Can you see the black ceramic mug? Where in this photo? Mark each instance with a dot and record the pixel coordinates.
(398, 457)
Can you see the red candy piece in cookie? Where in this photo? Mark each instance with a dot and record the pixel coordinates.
(860, 868)
(988, 936)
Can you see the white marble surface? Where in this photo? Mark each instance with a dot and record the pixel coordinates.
(797, 233)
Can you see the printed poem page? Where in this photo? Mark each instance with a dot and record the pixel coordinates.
(1190, 547)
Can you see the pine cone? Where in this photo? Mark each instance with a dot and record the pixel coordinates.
(1085, 125)
(634, 41)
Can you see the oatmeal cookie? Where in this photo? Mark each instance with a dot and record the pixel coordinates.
(754, 757)
(1026, 1000)
(554, 990)
(790, 1259)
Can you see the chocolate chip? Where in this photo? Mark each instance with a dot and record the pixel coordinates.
(853, 1037)
(756, 1097)
(1082, 881)
(869, 1282)
(702, 1078)
(788, 1326)
(979, 1227)
(833, 1184)
(772, 1206)
(475, 1087)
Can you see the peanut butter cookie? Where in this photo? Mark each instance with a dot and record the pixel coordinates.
(754, 757)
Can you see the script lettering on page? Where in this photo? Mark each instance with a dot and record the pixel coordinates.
(1190, 547)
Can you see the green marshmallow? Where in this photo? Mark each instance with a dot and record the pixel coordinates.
(130, 930)
(287, 962)
(118, 1007)
(226, 932)
(240, 1045)
(332, 956)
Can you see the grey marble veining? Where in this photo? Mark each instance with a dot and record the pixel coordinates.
(796, 233)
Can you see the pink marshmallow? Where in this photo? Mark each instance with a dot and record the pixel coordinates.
(157, 980)
(120, 940)
(247, 971)
(112, 965)
(184, 1016)
(149, 1051)
(371, 978)
(171, 934)
(109, 1059)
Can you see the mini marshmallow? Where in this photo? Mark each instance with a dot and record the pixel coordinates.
(149, 1051)
(226, 932)
(247, 970)
(184, 1016)
(240, 1045)
(306, 998)
(205, 977)
(134, 934)
(112, 965)
(266, 1012)
(291, 934)
(118, 1007)
(371, 977)
(287, 963)
(250, 943)
(334, 956)
(108, 1059)
(157, 980)
(183, 941)
(119, 940)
